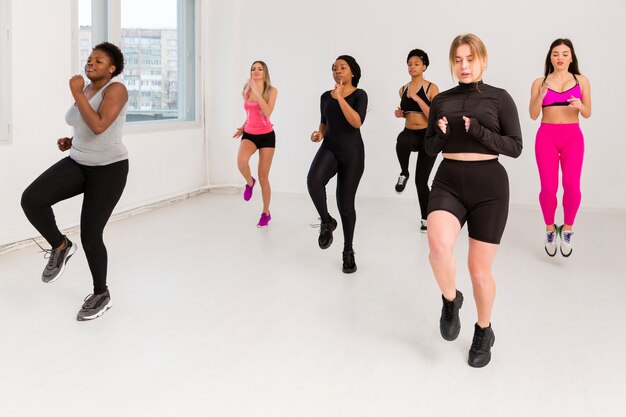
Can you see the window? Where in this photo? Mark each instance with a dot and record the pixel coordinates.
(5, 72)
(85, 34)
(157, 38)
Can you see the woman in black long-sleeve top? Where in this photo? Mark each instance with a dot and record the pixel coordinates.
(342, 153)
(471, 124)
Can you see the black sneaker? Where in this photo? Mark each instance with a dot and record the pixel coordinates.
(57, 259)
(349, 264)
(449, 323)
(326, 233)
(95, 305)
(402, 179)
(423, 226)
(480, 352)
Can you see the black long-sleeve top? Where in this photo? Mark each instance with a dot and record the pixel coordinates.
(494, 122)
(340, 134)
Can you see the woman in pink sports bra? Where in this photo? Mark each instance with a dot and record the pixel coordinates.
(560, 96)
(257, 132)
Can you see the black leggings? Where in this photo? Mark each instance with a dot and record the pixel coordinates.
(349, 169)
(102, 187)
(413, 141)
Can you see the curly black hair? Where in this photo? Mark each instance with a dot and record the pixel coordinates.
(117, 58)
(420, 54)
(354, 67)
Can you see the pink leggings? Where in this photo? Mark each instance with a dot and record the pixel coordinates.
(562, 143)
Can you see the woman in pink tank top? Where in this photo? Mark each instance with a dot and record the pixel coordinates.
(257, 133)
(560, 96)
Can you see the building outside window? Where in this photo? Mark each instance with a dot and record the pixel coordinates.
(153, 43)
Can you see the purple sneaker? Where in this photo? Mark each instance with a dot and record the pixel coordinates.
(264, 220)
(247, 193)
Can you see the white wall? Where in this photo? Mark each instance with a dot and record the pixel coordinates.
(300, 40)
(162, 163)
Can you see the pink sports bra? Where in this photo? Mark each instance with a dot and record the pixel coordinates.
(554, 98)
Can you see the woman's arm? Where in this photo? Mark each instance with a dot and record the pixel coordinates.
(435, 138)
(421, 103)
(322, 129)
(64, 143)
(114, 97)
(349, 113)
(319, 134)
(509, 142)
(267, 107)
(537, 92)
(398, 112)
(239, 131)
(434, 90)
(584, 103)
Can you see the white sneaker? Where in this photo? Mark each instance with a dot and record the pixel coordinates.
(550, 244)
(566, 242)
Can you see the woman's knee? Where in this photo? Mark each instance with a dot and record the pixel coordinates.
(26, 201)
(91, 241)
(314, 181)
(243, 163)
(480, 274)
(264, 177)
(440, 251)
(571, 186)
(440, 244)
(346, 211)
(549, 190)
(29, 199)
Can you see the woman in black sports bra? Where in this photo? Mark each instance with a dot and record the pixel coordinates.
(415, 98)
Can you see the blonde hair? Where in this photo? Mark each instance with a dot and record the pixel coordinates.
(267, 83)
(478, 48)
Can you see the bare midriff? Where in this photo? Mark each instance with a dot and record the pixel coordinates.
(559, 115)
(415, 121)
(469, 156)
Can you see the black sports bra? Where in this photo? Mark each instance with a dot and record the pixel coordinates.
(408, 105)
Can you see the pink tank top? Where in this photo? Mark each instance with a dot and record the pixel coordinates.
(554, 98)
(256, 122)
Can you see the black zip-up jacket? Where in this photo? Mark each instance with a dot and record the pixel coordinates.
(494, 126)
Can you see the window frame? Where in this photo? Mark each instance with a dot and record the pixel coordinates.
(106, 25)
(5, 73)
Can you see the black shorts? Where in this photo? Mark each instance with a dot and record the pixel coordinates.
(265, 140)
(476, 192)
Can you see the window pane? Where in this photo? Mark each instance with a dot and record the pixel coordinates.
(157, 38)
(150, 47)
(84, 33)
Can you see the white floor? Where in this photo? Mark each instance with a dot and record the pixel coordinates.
(213, 317)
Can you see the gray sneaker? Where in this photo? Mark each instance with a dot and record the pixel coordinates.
(57, 261)
(94, 306)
